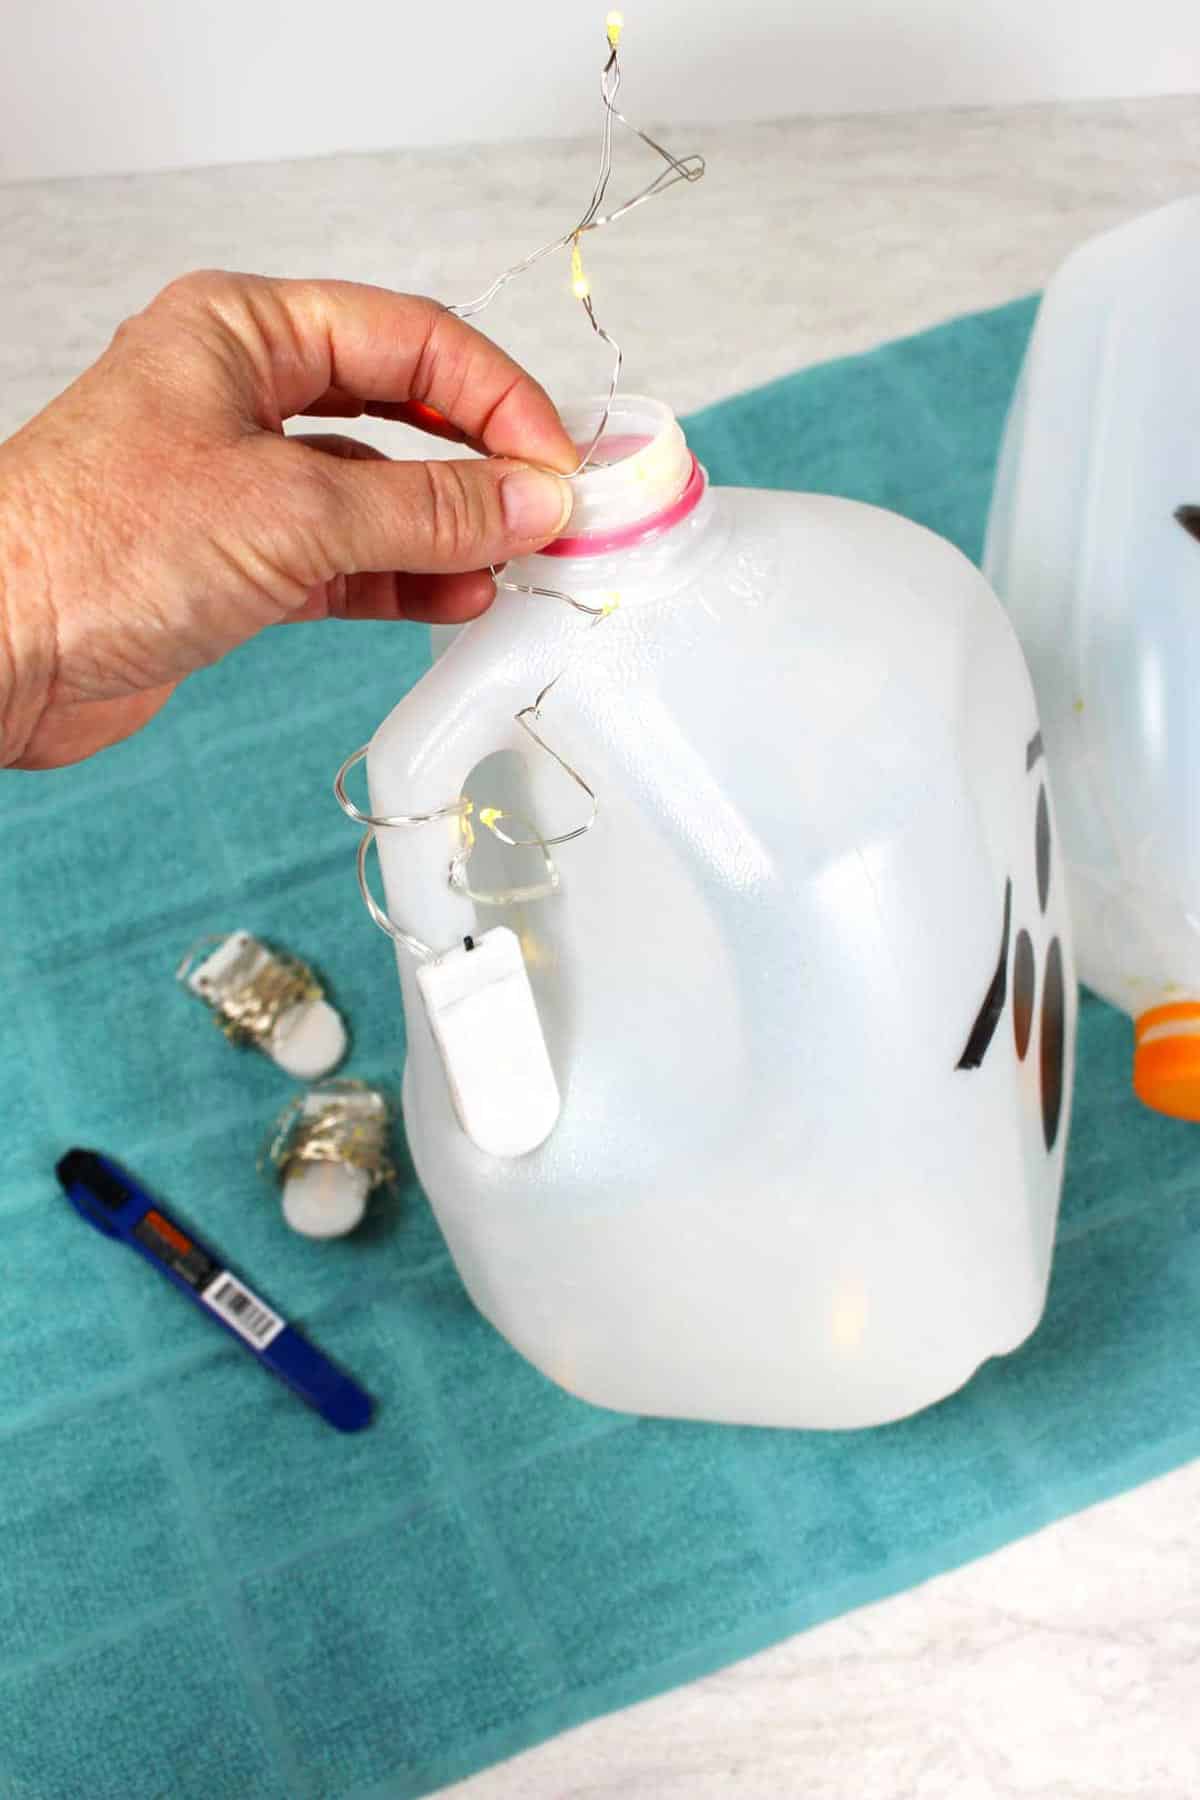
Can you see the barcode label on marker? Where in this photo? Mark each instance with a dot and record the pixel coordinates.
(249, 1316)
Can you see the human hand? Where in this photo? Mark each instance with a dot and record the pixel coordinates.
(154, 515)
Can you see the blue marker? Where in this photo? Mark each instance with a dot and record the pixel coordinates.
(109, 1198)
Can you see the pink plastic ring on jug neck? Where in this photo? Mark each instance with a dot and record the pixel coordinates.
(641, 478)
(599, 543)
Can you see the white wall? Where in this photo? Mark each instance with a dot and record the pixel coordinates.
(114, 85)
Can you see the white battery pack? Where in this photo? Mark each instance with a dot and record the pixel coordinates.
(485, 1022)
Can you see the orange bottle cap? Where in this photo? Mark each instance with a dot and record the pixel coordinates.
(1166, 1059)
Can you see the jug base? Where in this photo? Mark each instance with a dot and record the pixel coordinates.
(834, 1413)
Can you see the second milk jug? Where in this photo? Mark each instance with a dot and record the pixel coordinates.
(1092, 545)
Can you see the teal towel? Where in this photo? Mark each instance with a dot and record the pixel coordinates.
(205, 1591)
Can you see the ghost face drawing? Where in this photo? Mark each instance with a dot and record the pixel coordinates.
(1029, 979)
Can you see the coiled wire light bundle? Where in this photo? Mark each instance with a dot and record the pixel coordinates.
(687, 168)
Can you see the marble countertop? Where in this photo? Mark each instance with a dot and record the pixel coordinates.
(1065, 1665)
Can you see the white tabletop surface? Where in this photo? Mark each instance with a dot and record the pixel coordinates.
(1066, 1665)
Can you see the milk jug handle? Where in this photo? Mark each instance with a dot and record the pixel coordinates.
(418, 763)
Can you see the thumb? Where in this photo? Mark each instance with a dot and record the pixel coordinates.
(434, 517)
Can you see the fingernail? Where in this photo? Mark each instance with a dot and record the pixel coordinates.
(535, 504)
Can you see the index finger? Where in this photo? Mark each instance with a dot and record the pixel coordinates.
(335, 404)
(388, 350)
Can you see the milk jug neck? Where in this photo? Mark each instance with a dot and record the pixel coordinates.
(641, 485)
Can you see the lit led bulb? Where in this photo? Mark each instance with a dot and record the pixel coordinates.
(580, 286)
(613, 25)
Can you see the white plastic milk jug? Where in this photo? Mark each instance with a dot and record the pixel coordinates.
(1092, 544)
(760, 1115)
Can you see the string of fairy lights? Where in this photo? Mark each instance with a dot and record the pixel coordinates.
(594, 218)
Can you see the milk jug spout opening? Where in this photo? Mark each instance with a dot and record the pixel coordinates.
(1166, 1059)
(636, 476)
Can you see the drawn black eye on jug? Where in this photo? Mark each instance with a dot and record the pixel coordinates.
(1052, 1032)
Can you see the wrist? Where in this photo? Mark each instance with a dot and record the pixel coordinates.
(28, 647)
